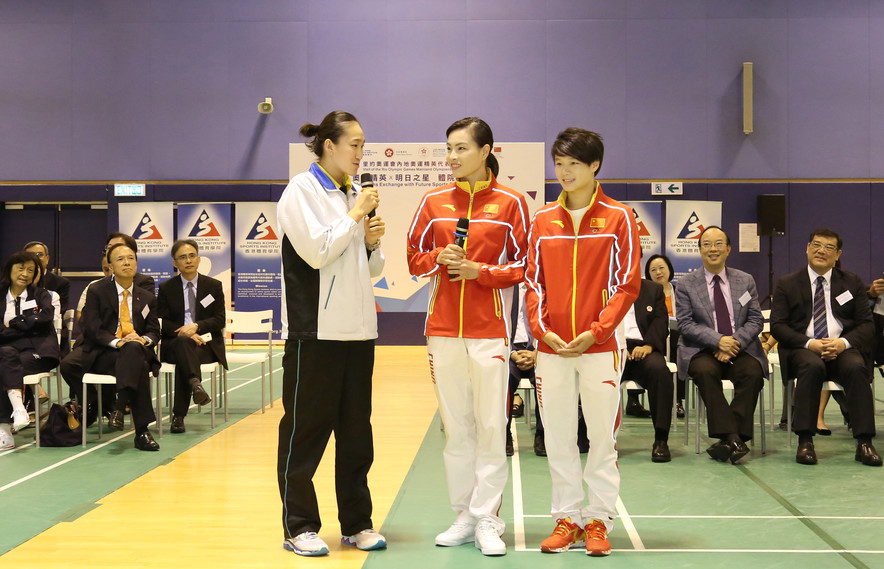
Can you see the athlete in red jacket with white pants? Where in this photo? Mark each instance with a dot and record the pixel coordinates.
(583, 275)
(468, 325)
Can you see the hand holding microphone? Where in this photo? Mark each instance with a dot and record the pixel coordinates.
(459, 267)
(367, 201)
(374, 225)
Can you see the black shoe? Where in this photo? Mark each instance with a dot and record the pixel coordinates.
(91, 414)
(539, 445)
(720, 451)
(177, 424)
(635, 409)
(824, 432)
(738, 451)
(783, 426)
(200, 397)
(866, 454)
(510, 451)
(144, 441)
(660, 452)
(115, 422)
(518, 409)
(806, 453)
(679, 410)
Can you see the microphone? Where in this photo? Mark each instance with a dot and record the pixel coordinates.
(460, 232)
(365, 181)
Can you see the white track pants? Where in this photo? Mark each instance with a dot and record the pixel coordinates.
(596, 379)
(470, 377)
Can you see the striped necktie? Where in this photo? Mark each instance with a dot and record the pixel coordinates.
(820, 327)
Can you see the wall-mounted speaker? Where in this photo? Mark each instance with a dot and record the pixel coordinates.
(771, 214)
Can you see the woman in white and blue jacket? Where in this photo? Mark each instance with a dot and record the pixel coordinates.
(330, 251)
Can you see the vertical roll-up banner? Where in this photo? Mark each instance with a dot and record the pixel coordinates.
(152, 226)
(209, 225)
(649, 218)
(258, 279)
(685, 221)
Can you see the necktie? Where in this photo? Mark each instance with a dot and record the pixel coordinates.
(17, 305)
(820, 326)
(191, 302)
(126, 327)
(723, 319)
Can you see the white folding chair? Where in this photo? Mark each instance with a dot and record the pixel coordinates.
(259, 322)
(726, 385)
(99, 380)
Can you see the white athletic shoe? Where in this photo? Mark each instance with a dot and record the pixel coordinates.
(308, 544)
(488, 539)
(20, 419)
(366, 540)
(458, 534)
(7, 442)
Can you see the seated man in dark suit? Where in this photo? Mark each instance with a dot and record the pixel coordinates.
(647, 328)
(720, 319)
(821, 318)
(191, 306)
(876, 296)
(120, 331)
(145, 282)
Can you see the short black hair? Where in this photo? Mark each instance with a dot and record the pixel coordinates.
(128, 239)
(20, 257)
(30, 244)
(116, 246)
(823, 232)
(579, 143)
(705, 229)
(181, 243)
(665, 260)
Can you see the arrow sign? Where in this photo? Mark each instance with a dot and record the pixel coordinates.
(667, 189)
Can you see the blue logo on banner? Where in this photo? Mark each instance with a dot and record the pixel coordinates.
(692, 229)
(146, 229)
(262, 229)
(204, 227)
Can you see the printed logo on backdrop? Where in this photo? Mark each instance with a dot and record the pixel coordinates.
(686, 240)
(649, 219)
(261, 238)
(150, 240)
(205, 229)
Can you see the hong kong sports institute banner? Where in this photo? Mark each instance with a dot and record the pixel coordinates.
(209, 225)
(685, 221)
(150, 223)
(256, 257)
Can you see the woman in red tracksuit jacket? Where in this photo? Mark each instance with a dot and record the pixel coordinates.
(583, 275)
(467, 325)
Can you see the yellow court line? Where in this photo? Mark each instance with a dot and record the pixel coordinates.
(217, 504)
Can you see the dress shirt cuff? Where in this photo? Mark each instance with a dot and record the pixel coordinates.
(114, 342)
(847, 345)
(807, 344)
(147, 341)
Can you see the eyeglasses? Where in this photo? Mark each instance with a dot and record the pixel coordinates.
(816, 246)
(188, 257)
(706, 245)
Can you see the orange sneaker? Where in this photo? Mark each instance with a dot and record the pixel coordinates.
(597, 543)
(565, 536)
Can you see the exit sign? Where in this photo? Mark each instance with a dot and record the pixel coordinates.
(666, 189)
(129, 190)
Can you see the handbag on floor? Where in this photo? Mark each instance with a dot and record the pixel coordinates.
(62, 427)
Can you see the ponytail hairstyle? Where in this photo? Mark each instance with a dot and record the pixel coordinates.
(482, 135)
(331, 128)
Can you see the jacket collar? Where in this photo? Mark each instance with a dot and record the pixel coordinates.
(479, 186)
(327, 181)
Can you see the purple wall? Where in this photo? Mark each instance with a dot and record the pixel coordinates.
(168, 89)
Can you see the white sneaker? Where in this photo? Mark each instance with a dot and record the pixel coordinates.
(20, 419)
(7, 442)
(366, 540)
(308, 544)
(458, 534)
(488, 540)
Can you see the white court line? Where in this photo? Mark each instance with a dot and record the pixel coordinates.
(96, 446)
(725, 517)
(518, 505)
(838, 551)
(629, 526)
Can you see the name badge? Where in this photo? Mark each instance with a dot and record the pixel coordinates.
(207, 337)
(844, 297)
(744, 300)
(29, 304)
(207, 300)
(145, 311)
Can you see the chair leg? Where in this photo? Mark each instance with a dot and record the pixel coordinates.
(37, 408)
(212, 389)
(270, 363)
(100, 410)
(788, 390)
(223, 381)
(263, 403)
(761, 398)
(84, 411)
(159, 410)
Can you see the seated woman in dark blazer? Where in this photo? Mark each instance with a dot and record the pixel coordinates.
(28, 341)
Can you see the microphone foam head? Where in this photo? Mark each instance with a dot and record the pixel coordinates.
(365, 180)
(463, 225)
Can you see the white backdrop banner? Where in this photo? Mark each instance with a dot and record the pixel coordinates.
(257, 284)
(209, 225)
(402, 173)
(649, 218)
(685, 221)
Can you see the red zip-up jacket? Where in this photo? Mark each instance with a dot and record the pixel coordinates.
(497, 240)
(584, 278)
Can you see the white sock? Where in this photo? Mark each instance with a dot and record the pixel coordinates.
(15, 399)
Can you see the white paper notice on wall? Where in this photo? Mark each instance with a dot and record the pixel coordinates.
(749, 240)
